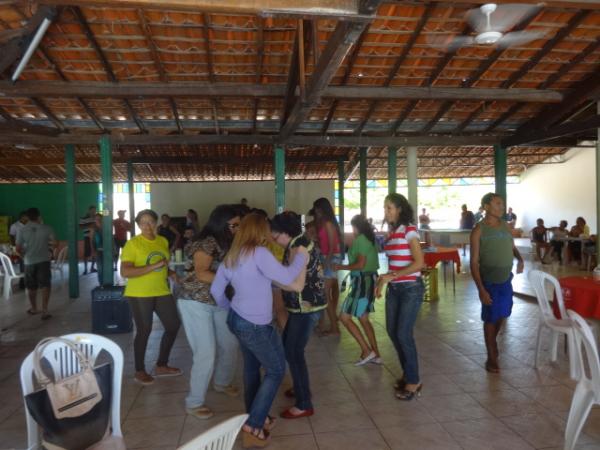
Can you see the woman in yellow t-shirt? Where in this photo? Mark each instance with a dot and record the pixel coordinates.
(144, 262)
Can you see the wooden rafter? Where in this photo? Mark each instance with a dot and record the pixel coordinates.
(533, 136)
(345, 79)
(151, 45)
(175, 113)
(62, 89)
(398, 63)
(260, 53)
(292, 81)
(259, 139)
(342, 38)
(49, 114)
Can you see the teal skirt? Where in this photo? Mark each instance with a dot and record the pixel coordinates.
(361, 298)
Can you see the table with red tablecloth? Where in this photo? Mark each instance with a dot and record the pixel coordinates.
(582, 295)
(433, 257)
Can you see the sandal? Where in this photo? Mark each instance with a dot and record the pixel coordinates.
(270, 423)
(166, 371)
(407, 395)
(32, 312)
(400, 384)
(251, 439)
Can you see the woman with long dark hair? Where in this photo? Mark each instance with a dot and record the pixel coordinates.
(214, 348)
(404, 294)
(330, 244)
(363, 263)
(251, 268)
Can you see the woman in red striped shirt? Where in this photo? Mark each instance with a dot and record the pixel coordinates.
(404, 294)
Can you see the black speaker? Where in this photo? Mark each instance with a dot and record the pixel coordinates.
(110, 311)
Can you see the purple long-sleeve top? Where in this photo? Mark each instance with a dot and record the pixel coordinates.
(251, 279)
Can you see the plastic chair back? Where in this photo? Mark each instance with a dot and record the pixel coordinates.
(64, 363)
(219, 437)
(584, 336)
(7, 266)
(544, 286)
(60, 260)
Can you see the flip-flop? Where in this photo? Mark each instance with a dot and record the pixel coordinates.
(32, 313)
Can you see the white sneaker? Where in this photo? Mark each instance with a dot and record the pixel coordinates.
(377, 361)
(366, 359)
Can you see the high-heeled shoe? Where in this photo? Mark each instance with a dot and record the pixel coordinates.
(400, 384)
(251, 440)
(407, 395)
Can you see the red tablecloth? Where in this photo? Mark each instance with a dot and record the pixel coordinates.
(582, 295)
(442, 254)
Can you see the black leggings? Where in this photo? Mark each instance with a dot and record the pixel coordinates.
(166, 310)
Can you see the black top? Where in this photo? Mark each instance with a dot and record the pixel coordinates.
(167, 234)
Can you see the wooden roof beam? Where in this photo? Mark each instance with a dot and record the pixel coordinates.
(259, 139)
(340, 42)
(49, 114)
(292, 80)
(175, 113)
(205, 90)
(345, 79)
(94, 43)
(135, 117)
(566, 129)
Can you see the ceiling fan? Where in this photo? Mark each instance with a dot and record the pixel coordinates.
(492, 23)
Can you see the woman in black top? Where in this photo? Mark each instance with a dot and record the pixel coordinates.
(169, 232)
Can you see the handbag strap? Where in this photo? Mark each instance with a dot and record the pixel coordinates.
(39, 352)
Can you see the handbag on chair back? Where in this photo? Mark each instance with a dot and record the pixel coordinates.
(73, 411)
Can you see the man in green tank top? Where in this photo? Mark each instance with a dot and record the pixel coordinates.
(492, 253)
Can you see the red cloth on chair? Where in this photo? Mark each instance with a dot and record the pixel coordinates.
(442, 254)
(582, 295)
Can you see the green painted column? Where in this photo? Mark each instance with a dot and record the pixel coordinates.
(130, 189)
(363, 180)
(72, 222)
(412, 176)
(279, 179)
(107, 213)
(500, 170)
(392, 170)
(341, 194)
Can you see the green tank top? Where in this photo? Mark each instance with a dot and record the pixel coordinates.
(495, 253)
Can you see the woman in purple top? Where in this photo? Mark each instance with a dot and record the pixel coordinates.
(250, 269)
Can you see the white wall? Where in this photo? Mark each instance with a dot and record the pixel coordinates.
(558, 191)
(176, 198)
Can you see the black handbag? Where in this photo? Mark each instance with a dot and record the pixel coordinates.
(73, 433)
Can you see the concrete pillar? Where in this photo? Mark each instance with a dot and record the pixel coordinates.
(279, 179)
(72, 221)
(130, 189)
(500, 170)
(107, 213)
(363, 180)
(392, 169)
(411, 173)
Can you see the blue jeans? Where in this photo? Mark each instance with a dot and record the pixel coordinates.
(261, 346)
(214, 348)
(402, 304)
(295, 337)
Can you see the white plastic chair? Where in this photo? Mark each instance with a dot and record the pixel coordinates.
(219, 437)
(587, 392)
(64, 363)
(541, 281)
(9, 275)
(58, 264)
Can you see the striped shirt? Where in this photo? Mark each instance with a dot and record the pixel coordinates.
(397, 249)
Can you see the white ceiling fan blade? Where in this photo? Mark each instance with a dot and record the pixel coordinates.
(449, 42)
(504, 18)
(519, 38)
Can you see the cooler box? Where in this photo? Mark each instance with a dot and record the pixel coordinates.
(110, 311)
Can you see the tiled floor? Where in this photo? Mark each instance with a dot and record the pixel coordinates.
(462, 406)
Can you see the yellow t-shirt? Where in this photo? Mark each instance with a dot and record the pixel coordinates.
(276, 250)
(141, 252)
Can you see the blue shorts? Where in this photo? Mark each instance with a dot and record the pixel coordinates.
(502, 301)
(328, 272)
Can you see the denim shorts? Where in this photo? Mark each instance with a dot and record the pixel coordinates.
(328, 272)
